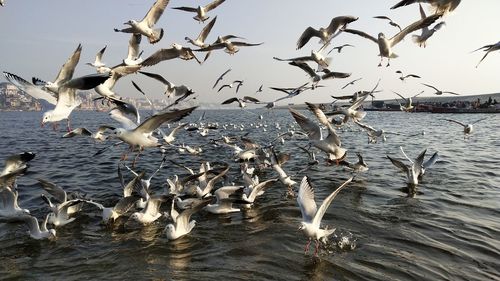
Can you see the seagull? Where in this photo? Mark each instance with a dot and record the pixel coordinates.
(231, 85)
(351, 83)
(488, 49)
(224, 204)
(98, 60)
(284, 178)
(391, 22)
(323, 62)
(315, 77)
(37, 231)
(200, 40)
(312, 215)
(133, 53)
(201, 11)
(427, 32)
(259, 89)
(171, 90)
(374, 134)
(220, 78)
(98, 135)
(292, 92)
(230, 47)
(142, 136)
(352, 111)
(429, 163)
(439, 92)
(255, 188)
(241, 101)
(182, 225)
(10, 207)
(386, 45)
(331, 145)
(30, 89)
(468, 128)
(110, 214)
(325, 34)
(358, 167)
(151, 211)
(403, 77)
(145, 26)
(60, 212)
(441, 6)
(176, 51)
(408, 106)
(413, 171)
(105, 90)
(121, 112)
(169, 139)
(17, 163)
(339, 48)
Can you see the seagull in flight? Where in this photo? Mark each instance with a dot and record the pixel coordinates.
(339, 48)
(385, 45)
(488, 49)
(441, 6)
(175, 51)
(325, 34)
(439, 92)
(312, 215)
(351, 83)
(403, 77)
(468, 128)
(201, 11)
(231, 85)
(391, 22)
(315, 77)
(427, 32)
(220, 78)
(200, 40)
(408, 106)
(146, 25)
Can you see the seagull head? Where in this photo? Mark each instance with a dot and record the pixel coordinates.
(381, 35)
(52, 234)
(131, 22)
(302, 226)
(47, 116)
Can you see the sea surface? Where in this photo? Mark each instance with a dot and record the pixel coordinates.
(448, 230)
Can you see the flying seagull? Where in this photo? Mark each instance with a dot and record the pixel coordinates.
(201, 11)
(403, 77)
(427, 32)
(325, 34)
(441, 6)
(386, 45)
(439, 92)
(146, 25)
(391, 22)
(488, 49)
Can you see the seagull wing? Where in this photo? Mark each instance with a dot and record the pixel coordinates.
(362, 34)
(182, 221)
(454, 121)
(326, 203)
(29, 88)
(78, 132)
(186, 9)
(56, 191)
(430, 86)
(155, 121)
(157, 77)
(413, 27)
(398, 164)
(68, 68)
(365, 126)
(333, 74)
(220, 78)
(87, 82)
(231, 100)
(155, 12)
(206, 30)
(427, 164)
(161, 55)
(337, 22)
(304, 66)
(213, 5)
(260, 187)
(134, 46)
(124, 204)
(306, 201)
(306, 36)
(312, 130)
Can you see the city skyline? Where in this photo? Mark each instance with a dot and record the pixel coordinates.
(446, 62)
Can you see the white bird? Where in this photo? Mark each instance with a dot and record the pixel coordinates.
(224, 204)
(170, 138)
(171, 90)
(468, 128)
(325, 34)
(439, 92)
(200, 40)
(441, 6)
(374, 134)
(331, 145)
(134, 52)
(284, 178)
(98, 135)
(231, 85)
(407, 106)
(230, 47)
(312, 215)
(176, 51)
(413, 171)
(30, 89)
(351, 83)
(10, 207)
(220, 78)
(339, 48)
(488, 49)
(391, 22)
(17, 162)
(403, 77)
(146, 25)
(37, 231)
(151, 211)
(106, 89)
(255, 189)
(110, 214)
(316, 56)
(123, 112)
(59, 215)
(427, 32)
(241, 101)
(385, 45)
(97, 63)
(314, 75)
(142, 136)
(358, 167)
(182, 224)
(292, 92)
(201, 11)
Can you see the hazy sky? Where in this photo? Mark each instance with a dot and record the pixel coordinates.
(37, 37)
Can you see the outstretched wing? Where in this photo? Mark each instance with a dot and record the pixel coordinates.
(326, 203)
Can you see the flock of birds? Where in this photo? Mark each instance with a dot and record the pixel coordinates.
(202, 189)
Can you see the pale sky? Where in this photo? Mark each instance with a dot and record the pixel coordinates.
(37, 37)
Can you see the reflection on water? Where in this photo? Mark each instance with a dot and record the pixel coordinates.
(447, 229)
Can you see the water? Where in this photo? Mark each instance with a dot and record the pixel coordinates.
(448, 231)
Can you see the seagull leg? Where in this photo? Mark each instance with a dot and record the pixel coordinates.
(306, 249)
(388, 62)
(68, 127)
(316, 248)
(380, 63)
(54, 126)
(137, 156)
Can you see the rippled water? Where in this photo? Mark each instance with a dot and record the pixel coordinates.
(449, 230)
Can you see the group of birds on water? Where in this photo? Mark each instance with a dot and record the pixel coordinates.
(200, 189)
